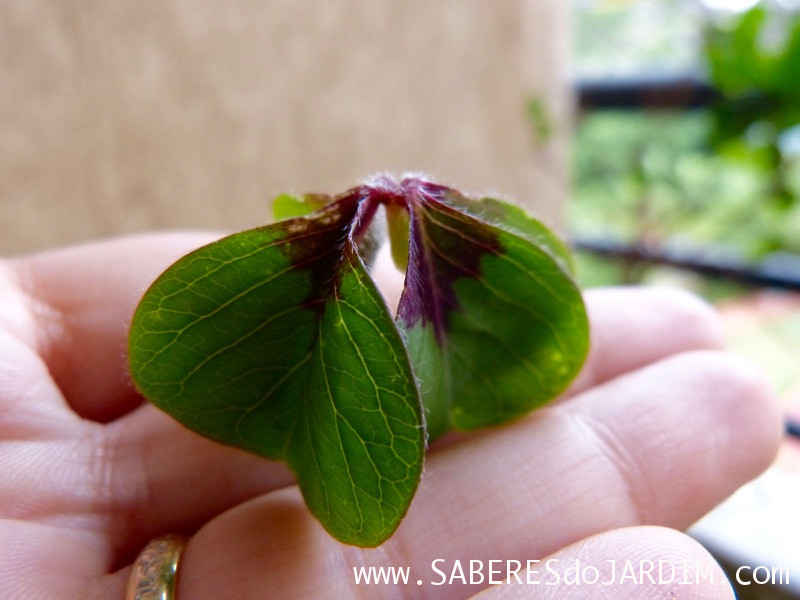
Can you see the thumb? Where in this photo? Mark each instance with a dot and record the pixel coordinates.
(635, 562)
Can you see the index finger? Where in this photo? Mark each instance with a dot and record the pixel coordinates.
(81, 299)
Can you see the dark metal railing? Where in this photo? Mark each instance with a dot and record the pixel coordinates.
(683, 92)
(779, 271)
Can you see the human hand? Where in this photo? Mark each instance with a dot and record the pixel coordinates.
(658, 428)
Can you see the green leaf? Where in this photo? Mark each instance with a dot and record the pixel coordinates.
(287, 206)
(397, 218)
(514, 220)
(276, 340)
(494, 324)
(539, 118)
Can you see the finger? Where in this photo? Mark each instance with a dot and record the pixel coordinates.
(41, 559)
(31, 405)
(659, 446)
(168, 482)
(635, 326)
(635, 562)
(169, 479)
(81, 300)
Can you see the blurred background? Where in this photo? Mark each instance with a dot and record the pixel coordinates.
(685, 158)
(134, 115)
(662, 137)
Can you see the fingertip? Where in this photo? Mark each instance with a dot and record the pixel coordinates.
(689, 319)
(750, 417)
(698, 319)
(683, 433)
(269, 545)
(631, 327)
(634, 562)
(81, 299)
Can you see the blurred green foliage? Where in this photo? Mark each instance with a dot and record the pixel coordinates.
(725, 180)
(655, 179)
(755, 64)
(754, 61)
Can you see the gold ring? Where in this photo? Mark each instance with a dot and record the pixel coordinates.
(154, 572)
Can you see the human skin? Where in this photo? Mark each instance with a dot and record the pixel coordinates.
(658, 428)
